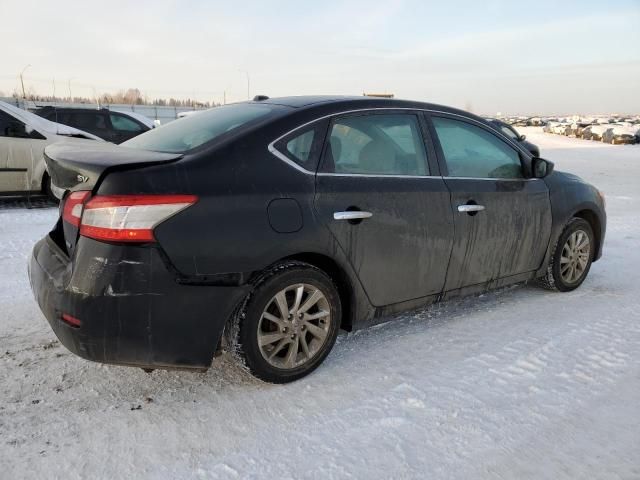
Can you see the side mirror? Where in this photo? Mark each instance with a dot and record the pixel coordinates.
(541, 167)
(522, 137)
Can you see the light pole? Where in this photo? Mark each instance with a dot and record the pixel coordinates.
(24, 96)
(248, 83)
(69, 85)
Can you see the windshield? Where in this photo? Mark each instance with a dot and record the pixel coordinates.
(192, 131)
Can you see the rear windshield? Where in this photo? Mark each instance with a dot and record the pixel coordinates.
(194, 130)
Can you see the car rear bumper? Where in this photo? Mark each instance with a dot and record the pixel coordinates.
(133, 312)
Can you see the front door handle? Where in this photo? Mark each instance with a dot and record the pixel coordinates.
(352, 215)
(470, 208)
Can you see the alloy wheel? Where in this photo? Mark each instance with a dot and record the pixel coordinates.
(575, 256)
(294, 326)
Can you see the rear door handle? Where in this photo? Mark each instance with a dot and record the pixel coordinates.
(470, 208)
(352, 215)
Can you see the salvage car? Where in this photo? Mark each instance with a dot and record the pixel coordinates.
(621, 134)
(597, 131)
(264, 227)
(511, 132)
(110, 125)
(23, 138)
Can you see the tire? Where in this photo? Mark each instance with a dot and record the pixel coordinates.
(282, 359)
(557, 277)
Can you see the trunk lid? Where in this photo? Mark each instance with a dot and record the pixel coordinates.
(80, 165)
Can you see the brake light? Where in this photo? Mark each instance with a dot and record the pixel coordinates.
(72, 211)
(129, 218)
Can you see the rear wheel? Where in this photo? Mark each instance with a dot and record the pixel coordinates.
(572, 257)
(288, 324)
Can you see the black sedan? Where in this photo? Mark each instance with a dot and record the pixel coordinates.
(264, 227)
(112, 126)
(512, 133)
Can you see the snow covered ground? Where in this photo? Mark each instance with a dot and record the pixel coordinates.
(518, 383)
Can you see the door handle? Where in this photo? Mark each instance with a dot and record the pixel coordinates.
(470, 208)
(352, 215)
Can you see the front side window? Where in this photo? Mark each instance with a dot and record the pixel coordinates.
(509, 133)
(124, 124)
(376, 145)
(473, 152)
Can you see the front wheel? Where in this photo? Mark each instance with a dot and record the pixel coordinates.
(288, 324)
(572, 257)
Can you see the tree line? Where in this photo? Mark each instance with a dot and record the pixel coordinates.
(131, 96)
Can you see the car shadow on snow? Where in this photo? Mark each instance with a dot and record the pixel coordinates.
(352, 350)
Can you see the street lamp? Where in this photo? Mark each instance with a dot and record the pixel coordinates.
(24, 96)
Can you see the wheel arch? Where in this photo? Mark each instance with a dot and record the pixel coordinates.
(345, 289)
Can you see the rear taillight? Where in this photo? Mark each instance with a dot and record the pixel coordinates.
(129, 218)
(72, 211)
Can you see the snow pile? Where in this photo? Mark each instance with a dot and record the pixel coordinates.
(518, 383)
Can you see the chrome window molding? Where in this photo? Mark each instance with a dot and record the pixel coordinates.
(273, 150)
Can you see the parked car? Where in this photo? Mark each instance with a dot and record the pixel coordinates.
(586, 132)
(112, 126)
(264, 227)
(23, 138)
(512, 133)
(597, 131)
(620, 134)
(578, 127)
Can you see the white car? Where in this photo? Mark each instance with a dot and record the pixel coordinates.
(23, 138)
(597, 131)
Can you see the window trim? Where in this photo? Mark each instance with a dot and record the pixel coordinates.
(444, 168)
(430, 142)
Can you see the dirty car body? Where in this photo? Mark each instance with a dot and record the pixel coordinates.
(305, 179)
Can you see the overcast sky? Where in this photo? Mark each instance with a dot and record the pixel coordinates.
(487, 56)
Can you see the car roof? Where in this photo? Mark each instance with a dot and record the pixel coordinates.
(346, 103)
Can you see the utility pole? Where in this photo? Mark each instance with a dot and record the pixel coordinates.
(69, 85)
(24, 95)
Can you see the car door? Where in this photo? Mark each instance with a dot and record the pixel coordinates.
(19, 152)
(379, 193)
(124, 128)
(502, 219)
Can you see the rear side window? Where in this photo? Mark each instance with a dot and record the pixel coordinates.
(376, 145)
(124, 124)
(473, 152)
(304, 145)
(192, 131)
(300, 146)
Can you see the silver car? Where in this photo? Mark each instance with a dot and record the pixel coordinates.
(23, 137)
